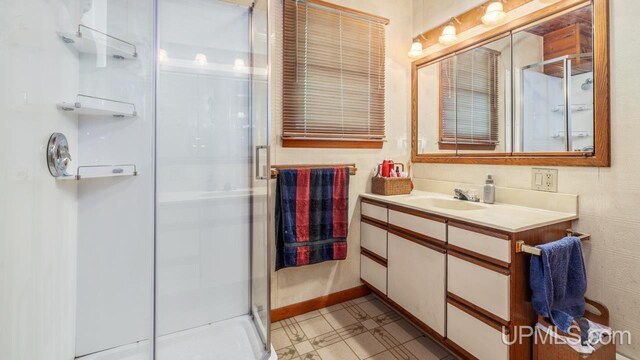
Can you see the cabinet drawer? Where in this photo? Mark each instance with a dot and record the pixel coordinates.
(373, 239)
(422, 226)
(480, 286)
(374, 211)
(491, 246)
(373, 273)
(475, 336)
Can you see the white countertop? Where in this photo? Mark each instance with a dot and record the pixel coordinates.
(500, 216)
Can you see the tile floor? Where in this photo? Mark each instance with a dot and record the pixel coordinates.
(363, 328)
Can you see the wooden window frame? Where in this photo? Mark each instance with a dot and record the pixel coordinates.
(444, 145)
(602, 141)
(336, 142)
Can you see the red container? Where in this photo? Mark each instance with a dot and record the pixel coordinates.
(387, 168)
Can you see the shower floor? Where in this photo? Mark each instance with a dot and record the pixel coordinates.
(234, 339)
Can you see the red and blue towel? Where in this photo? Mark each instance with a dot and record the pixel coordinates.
(312, 207)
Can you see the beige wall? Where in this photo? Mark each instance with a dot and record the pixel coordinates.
(298, 284)
(609, 197)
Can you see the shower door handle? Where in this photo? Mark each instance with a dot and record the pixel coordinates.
(262, 172)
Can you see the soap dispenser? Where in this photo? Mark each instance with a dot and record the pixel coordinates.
(489, 190)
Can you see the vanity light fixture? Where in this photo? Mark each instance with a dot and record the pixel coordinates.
(238, 64)
(162, 55)
(201, 59)
(416, 50)
(495, 14)
(449, 35)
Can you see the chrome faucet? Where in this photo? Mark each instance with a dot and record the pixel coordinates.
(464, 196)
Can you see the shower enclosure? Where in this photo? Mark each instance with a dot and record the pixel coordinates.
(149, 238)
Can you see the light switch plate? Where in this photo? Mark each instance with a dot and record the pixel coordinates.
(544, 179)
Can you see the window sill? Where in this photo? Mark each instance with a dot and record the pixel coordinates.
(462, 146)
(332, 144)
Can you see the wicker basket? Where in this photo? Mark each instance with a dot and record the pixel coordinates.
(391, 186)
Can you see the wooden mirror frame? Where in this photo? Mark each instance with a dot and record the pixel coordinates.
(601, 92)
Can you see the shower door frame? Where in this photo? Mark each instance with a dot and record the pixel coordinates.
(254, 164)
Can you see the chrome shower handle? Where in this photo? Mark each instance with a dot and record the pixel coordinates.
(258, 163)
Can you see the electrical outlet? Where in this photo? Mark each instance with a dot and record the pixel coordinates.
(544, 179)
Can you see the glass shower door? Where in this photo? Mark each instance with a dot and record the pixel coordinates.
(211, 206)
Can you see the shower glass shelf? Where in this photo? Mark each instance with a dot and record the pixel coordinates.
(96, 106)
(91, 41)
(101, 171)
(574, 108)
(577, 133)
(186, 66)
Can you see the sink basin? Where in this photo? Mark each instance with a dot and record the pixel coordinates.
(449, 204)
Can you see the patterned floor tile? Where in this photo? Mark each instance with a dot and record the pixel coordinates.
(315, 326)
(370, 324)
(288, 353)
(363, 299)
(311, 356)
(365, 345)
(374, 307)
(425, 348)
(385, 338)
(351, 330)
(387, 318)
(293, 331)
(304, 347)
(325, 340)
(402, 331)
(366, 328)
(401, 353)
(387, 355)
(357, 312)
(341, 318)
(337, 351)
(279, 339)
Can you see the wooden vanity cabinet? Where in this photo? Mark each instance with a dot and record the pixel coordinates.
(461, 283)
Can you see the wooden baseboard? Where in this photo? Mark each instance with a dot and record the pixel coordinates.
(318, 303)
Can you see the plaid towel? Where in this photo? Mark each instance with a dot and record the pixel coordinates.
(312, 207)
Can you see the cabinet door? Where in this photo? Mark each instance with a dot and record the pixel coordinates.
(416, 280)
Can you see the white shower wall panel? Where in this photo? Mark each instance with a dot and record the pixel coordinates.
(116, 215)
(38, 215)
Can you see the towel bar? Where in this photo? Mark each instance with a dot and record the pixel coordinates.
(274, 168)
(521, 247)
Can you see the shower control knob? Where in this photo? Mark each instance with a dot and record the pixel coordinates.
(58, 156)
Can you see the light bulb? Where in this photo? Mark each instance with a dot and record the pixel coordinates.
(416, 50)
(448, 36)
(238, 64)
(495, 14)
(162, 55)
(201, 59)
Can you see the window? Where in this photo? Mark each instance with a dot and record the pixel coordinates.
(334, 76)
(469, 79)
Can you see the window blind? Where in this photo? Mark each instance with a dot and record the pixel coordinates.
(334, 74)
(469, 98)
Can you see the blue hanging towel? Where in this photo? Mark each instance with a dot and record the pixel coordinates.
(312, 207)
(558, 280)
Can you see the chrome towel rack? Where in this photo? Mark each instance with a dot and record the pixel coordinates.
(521, 247)
(274, 168)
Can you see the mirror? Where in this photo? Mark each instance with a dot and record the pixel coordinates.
(464, 101)
(528, 94)
(553, 64)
